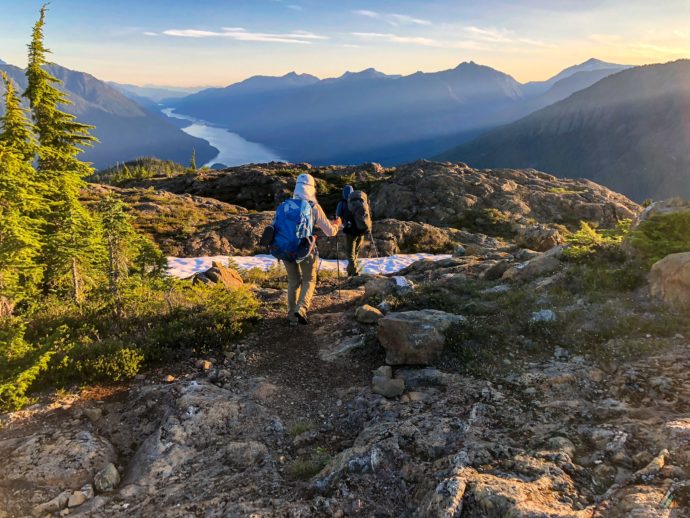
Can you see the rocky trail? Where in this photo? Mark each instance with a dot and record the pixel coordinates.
(286, 424)
(276, 366)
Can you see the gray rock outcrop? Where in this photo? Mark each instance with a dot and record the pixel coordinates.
(415, 337)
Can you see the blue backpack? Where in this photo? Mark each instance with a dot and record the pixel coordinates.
(293, 229)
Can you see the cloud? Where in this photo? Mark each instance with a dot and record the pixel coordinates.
(501, 36)
(148, 33)
(489, 35)
(393, 19)
(241, 34)
(476, 39)
(394, 38)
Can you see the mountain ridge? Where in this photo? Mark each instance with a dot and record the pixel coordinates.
(628, 131)
(125, 129)
(386, 118)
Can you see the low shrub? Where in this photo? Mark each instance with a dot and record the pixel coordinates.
(661, 235)
(62, 343)
(588, 241)
(275, 277)
(304, 469)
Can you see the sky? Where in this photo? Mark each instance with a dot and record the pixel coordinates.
(219, 42)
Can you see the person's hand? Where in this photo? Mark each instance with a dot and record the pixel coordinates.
(337, 222)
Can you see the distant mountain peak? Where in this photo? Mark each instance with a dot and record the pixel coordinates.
(594, 61)
(367, 73)
(469, 64)
(473, 66)
(270, 82)
(590, 65)
(297, 75)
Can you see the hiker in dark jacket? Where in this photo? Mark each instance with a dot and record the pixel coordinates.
(302, 275)
(354, 234)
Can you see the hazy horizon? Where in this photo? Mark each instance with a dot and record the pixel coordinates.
(216, 43)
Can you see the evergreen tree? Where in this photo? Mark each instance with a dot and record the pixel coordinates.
(117, 232)
(128, 251)
(192, 162)
(19, 232)
(17, 132)
(58, 131)
(70, 230)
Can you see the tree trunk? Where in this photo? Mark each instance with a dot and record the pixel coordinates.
(6, 307)
(114, 277)
(76, 282)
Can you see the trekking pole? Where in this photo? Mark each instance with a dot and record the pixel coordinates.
(373, 244)
(337, 262)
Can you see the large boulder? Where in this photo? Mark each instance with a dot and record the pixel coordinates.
(669, 280)
(539, 266)
(380, 287)
(415, 337)
(219, 274)
(54, 460)
(662, 208)
(538, 237)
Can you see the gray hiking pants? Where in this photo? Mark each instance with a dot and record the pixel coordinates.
(301, 284)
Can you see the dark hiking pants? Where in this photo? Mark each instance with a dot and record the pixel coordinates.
(352, 246)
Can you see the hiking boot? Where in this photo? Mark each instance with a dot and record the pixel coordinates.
(293, 322)
(301, 316)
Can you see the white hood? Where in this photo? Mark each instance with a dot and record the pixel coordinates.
(305, 189)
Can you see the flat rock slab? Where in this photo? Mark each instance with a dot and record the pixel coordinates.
(342, 348)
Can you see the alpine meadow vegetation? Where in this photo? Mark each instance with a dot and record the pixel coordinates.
(83, 295)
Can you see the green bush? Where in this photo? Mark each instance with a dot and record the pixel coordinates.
(588, 241)
(105, 360)
(21, 363)
(599, 279)
(660, 236)
(274, 277)
(13, 392)
(60, 343)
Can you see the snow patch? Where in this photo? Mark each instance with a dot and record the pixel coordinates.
(183, 267)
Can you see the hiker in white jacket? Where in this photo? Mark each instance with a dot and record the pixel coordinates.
(302, 275)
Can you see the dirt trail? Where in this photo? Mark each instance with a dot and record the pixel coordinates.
(289, 357)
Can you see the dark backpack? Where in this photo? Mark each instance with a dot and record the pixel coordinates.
(359, 214)
(293, 231)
